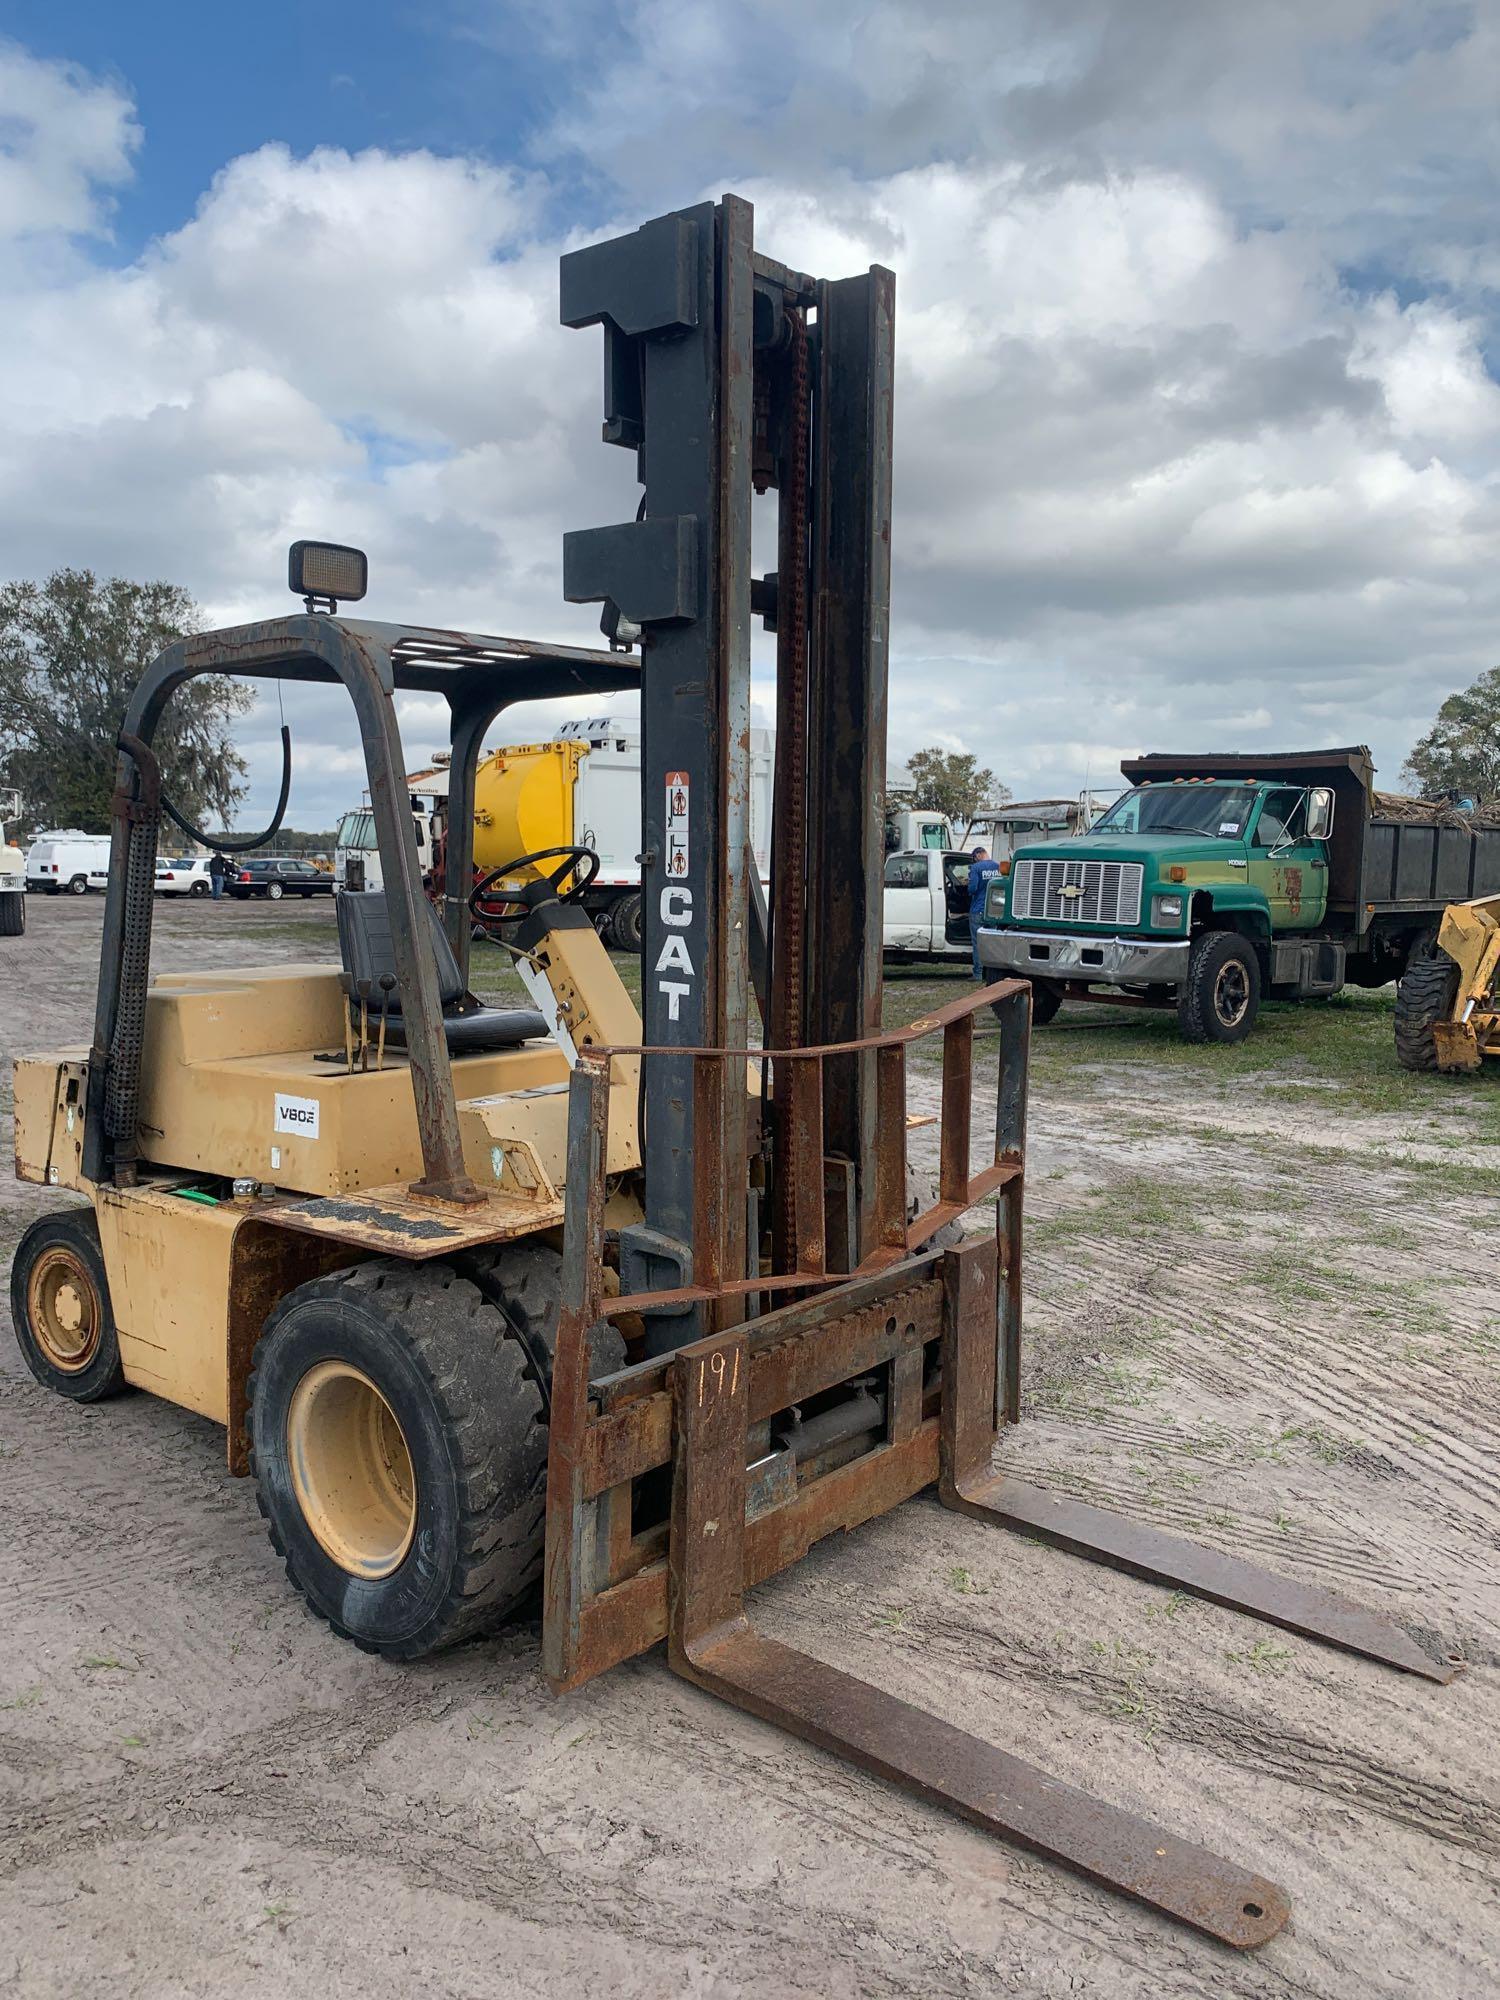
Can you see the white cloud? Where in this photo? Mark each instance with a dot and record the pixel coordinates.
(66, 139)
(1167, 469)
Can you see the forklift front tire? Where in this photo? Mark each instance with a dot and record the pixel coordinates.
(399, 1447)
(59, 1305)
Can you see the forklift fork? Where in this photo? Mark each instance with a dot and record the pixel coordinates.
(711, 1642)
(926, 1344)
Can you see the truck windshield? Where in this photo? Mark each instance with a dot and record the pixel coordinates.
(356, 829)
(1216, 812)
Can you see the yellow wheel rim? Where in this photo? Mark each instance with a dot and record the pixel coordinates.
(351, 1470)
(63, 1305)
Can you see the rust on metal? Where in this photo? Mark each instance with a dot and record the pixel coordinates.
(635, 1439)
(567, 1517)
(969, 1485)
(1147, 1552)
(711, 1642)
(988, 1787)
(786, 1027)
(397, 1221)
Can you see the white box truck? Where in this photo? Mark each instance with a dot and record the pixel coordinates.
(581, 788)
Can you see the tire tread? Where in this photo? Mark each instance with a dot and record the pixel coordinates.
(493, 1410)
(1424, 996)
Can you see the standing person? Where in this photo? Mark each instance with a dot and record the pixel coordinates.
(981, 868)
(218, 868)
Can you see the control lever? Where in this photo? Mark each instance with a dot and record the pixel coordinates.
(362, 988)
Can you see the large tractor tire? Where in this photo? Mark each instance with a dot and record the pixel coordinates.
(398, 1435)
(12, 914)
(1220, 996)
(1424, 996)
(59, 1305)
(626, 923)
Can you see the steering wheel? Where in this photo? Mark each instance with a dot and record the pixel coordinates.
(491, 911)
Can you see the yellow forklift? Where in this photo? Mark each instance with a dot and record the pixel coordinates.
(636, 1306)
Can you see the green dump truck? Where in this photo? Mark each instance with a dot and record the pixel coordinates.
(1217, 881)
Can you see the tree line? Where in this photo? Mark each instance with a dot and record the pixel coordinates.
(73, 647)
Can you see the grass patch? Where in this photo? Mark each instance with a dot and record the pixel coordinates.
(1264, 1657)
(1299, 1050)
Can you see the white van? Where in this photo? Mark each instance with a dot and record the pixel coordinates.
(67, 859)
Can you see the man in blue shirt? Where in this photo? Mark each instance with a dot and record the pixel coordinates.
(981, 868)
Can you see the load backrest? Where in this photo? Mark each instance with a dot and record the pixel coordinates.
(367, 950)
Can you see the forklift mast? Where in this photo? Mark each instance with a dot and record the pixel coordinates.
(730, 375)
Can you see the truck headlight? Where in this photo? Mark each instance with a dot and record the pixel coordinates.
(1166, 910)
(994, 901)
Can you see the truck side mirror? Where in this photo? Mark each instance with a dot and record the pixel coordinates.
(1320, 812)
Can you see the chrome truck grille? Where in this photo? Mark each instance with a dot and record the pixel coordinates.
(1077, 892)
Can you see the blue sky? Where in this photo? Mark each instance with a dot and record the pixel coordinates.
(1197, 417)
(212, 82)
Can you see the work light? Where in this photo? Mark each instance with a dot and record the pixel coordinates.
(326, 574)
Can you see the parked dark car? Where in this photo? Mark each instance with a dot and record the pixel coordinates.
(275, 877)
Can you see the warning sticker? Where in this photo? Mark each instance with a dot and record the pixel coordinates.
(677, 825)
(296, 1114)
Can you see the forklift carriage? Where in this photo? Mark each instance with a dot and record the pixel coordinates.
(755, 1333)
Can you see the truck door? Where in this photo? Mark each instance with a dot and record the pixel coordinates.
(908, 902)
(1289, 869)
(956, 899)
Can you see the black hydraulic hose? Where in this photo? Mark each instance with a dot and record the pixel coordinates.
(225, 846)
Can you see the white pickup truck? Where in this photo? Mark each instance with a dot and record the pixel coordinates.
(927, 904)
(927, 879)
(12, 872)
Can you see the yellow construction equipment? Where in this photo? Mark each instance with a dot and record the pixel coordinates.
(1448, 1002)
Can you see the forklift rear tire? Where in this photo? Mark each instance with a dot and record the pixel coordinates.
(59, 1305)
(1220, 996)
(399, 1444)
(12, 915)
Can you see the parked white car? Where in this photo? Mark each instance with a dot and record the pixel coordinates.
(67, 859)
(187, 877)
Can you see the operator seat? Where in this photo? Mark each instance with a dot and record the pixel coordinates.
(367, 952)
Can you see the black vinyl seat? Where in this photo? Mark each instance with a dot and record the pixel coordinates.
(367, 952)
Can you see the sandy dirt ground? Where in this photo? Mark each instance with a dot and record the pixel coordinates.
(1262, 1308)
